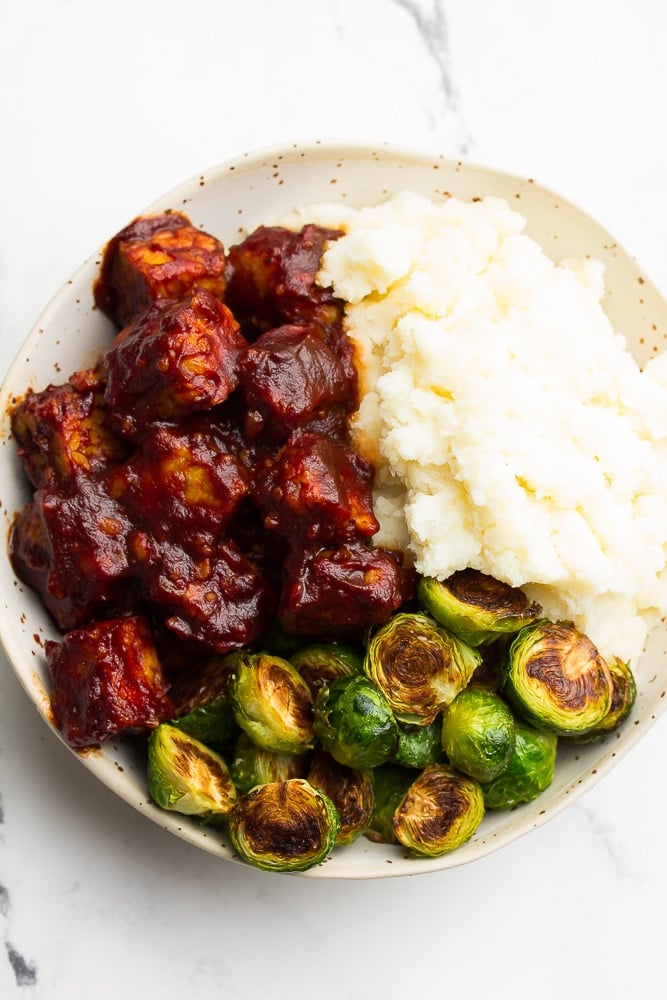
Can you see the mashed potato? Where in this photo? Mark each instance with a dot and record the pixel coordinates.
(512, 430)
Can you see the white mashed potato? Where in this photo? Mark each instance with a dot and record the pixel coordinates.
(512, 430)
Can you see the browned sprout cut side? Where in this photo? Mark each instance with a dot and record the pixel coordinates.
(440, 811)
(272, 703)
(187, 777)
(477, 607)
(284, 826)
(419, 666)
(556, 679)
(350, 789)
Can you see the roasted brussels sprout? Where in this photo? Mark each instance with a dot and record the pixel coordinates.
(478, 733)
(489, 673)
(354, 722)
(440, 811)
(477, 607)
(187, 777)
(391, 783)
(418, 665)
(419, 745)
(284, 826)
(322, 663)
(204, 704)
(530, 769)
(623, 696)
(556, 679)
(351, 790)
(272, 703)
(252, 765)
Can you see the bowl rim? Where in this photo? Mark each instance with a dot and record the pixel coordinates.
(13, 643)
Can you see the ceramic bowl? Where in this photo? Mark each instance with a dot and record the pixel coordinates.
(229, 200)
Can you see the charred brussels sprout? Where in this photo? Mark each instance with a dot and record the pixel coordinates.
(284, 826)
(478, 733)
(391, 784)
(351, 790)
(440, 811)
(530, 769)
(477, 607)
(354, 722)
(184, 776)
(556, 679)
(419, 666)
(323, 663)
(272, 703)
(623, 696)
(419, 745)
(213, 724)
(203, 703)
(251, 765)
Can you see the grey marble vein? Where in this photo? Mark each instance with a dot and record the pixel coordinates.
(25, 971)
(430, 20)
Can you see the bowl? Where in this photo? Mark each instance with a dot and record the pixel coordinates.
(230, 200)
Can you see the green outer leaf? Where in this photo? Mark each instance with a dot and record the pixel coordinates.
(354, 722)
(419, 746)
(251, 765)
(212, 724)
(391, 783)
(478, 733)
(529, 771)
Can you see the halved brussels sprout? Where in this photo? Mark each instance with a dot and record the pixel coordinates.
(530, 769)
(187, 777)
(477, 607)
(351, 790)
(272, 703)
(478, 733)
(623, 697)
(252, 765)
(284, 826)
(324, 662)
(354, 722)
(419, 745)
(556, 679)
(489, 674)
(391, 783)
(440, 811)
(418, 665)
(203, 702)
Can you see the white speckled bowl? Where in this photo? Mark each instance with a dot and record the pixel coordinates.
(229, 200)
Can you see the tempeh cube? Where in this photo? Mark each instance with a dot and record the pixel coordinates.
(157, 257)
(61, 433)
(176, 359)
(107, 679)
(289, 375)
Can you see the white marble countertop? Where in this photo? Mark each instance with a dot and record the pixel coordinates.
(106, 106)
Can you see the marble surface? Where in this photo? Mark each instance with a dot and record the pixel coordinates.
(103, 108)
